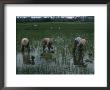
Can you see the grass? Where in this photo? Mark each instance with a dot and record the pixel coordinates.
(60, 62)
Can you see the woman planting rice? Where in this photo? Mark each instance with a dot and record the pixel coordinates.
(78, 50)
(25, 44)
(47, 45)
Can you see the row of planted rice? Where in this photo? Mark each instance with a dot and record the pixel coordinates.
(60, 62)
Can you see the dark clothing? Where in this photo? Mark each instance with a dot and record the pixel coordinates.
(78, 53)
(49, 45)
(25, 46)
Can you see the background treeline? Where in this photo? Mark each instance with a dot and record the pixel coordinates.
(23, 19)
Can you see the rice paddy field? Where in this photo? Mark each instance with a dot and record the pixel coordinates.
(61, 61)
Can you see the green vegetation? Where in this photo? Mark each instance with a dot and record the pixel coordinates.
(63, 34)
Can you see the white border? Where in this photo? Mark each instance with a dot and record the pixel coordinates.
(96, 80)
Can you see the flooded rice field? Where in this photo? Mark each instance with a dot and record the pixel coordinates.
(62, 60)
(59, 62)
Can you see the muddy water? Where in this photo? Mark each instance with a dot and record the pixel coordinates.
(59, 62)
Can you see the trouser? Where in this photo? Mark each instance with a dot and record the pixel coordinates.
(74, 52)
(78, 54)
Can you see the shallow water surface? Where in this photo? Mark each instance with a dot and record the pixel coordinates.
(59, 62)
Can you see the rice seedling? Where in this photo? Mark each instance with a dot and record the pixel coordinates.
(61, 61)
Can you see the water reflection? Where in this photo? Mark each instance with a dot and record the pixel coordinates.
(59, 62)
(28, 59)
